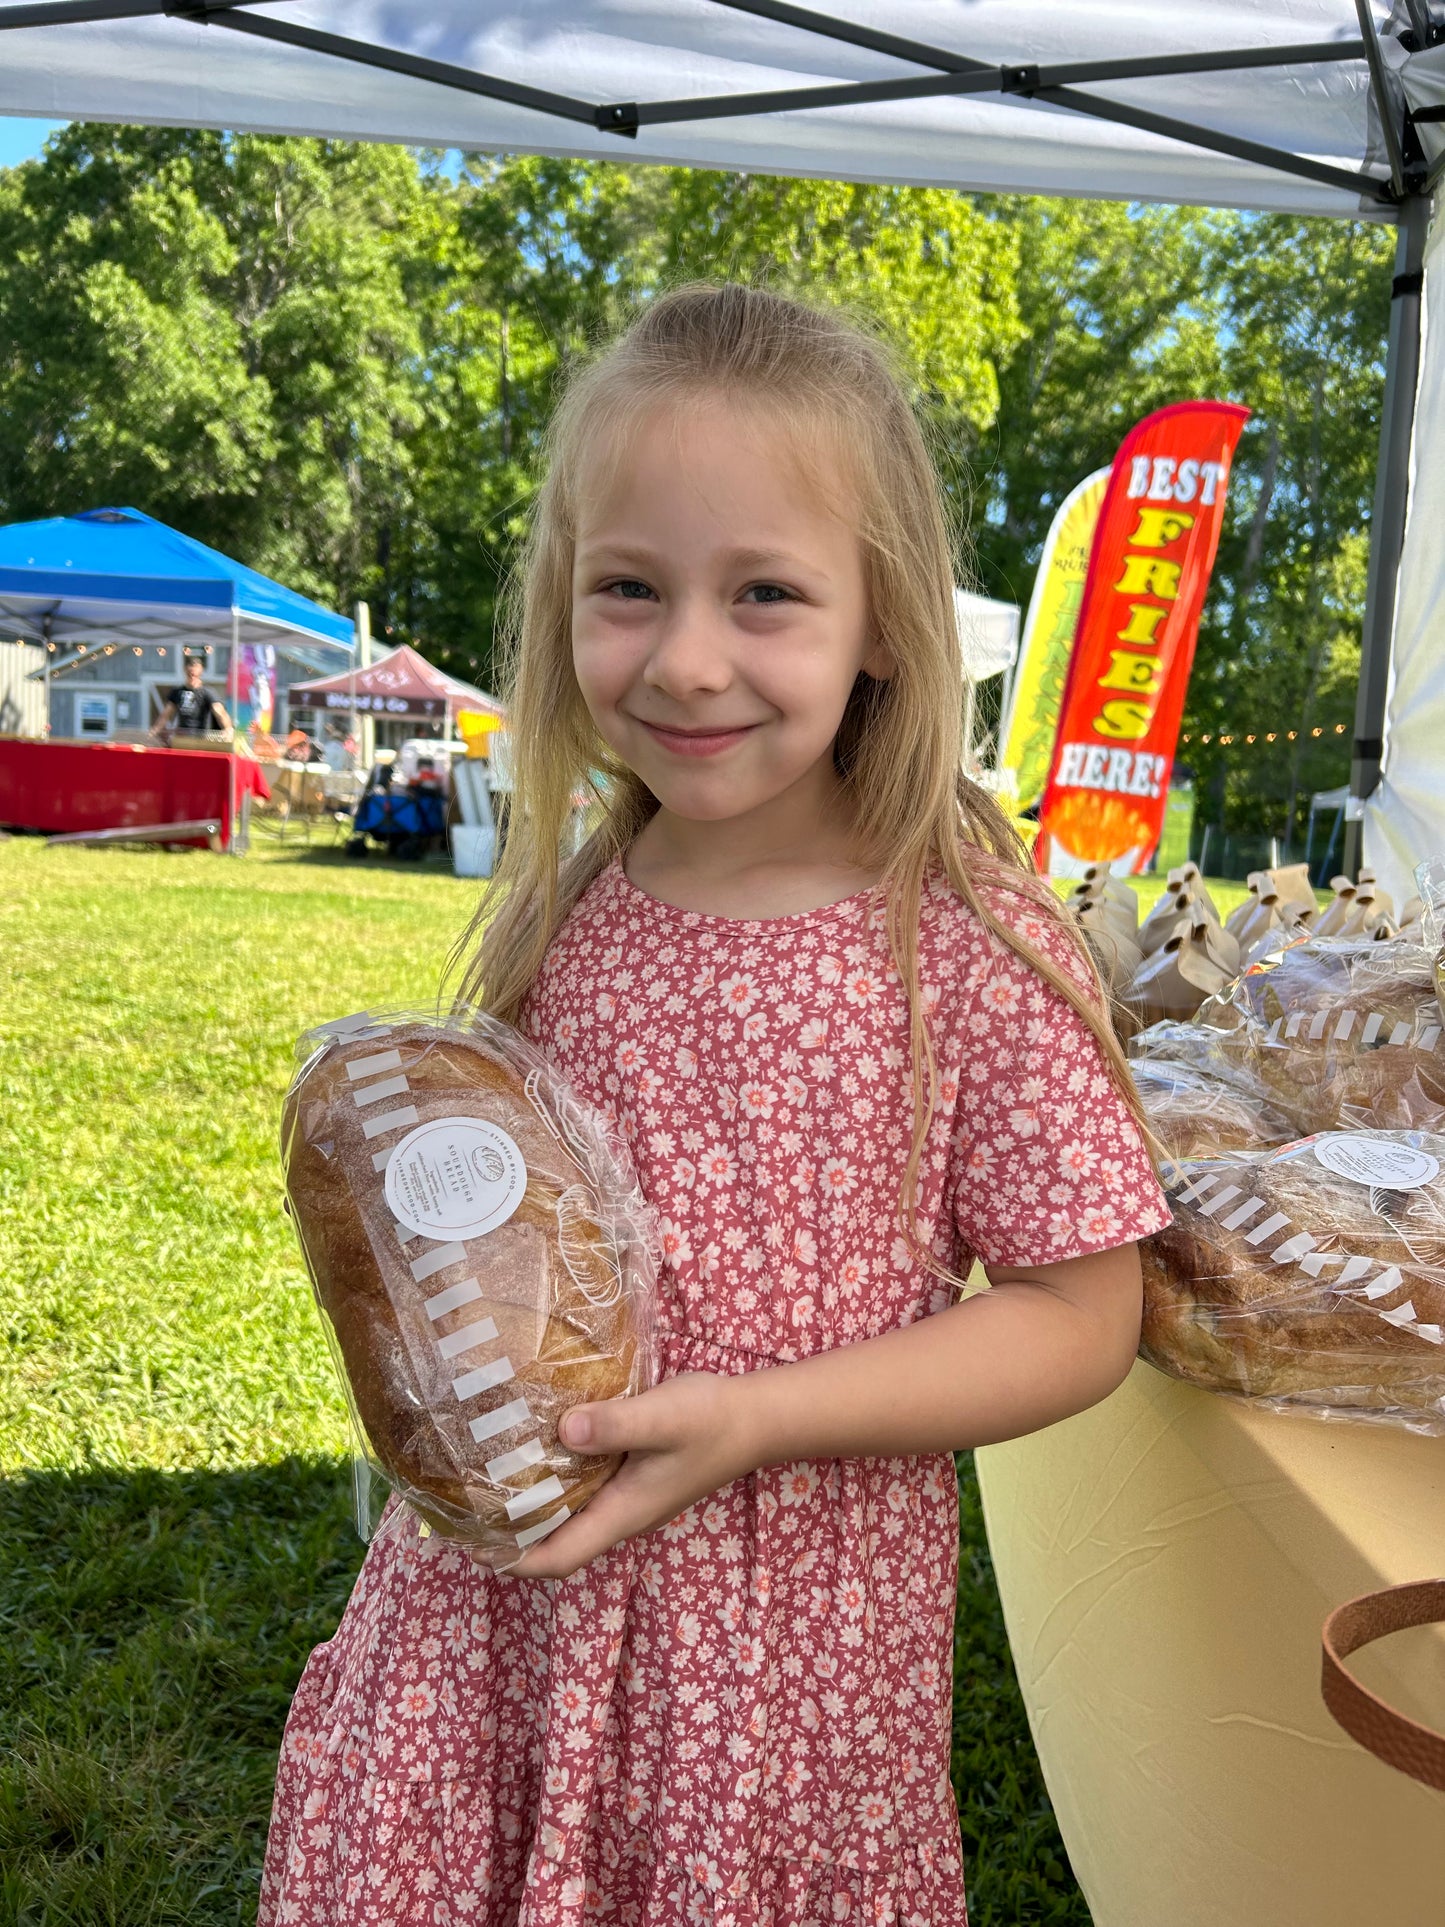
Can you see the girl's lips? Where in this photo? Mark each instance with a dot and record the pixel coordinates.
(703, 742)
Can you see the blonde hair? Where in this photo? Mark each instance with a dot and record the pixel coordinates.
(900, 743)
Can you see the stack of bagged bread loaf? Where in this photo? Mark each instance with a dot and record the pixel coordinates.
(1310, 1277)
(1313, 1031)
(1342, 1029)
(482, 1259)
(1303, 1106)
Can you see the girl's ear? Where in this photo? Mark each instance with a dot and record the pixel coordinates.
(878, 663)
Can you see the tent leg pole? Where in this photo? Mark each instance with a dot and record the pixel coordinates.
(361, 645)
(234, 841)
(1387, 523)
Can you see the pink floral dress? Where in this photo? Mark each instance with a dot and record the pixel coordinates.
(741, 1719)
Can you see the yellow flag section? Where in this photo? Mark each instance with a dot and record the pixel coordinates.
(1038, 686)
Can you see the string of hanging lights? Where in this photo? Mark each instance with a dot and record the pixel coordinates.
(1226, 737)
(109, 648)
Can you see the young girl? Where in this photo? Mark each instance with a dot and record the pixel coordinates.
(854, 1047)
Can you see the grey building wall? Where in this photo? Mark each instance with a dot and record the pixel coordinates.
(22, 701)
(136, 684)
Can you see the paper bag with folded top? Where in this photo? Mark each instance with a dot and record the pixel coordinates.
(1190, 873)
(1115, 902)
(1199, 960)
(1357, 907)
(1295, 891)
(1259, 914)
(1115, 951)
(1177, 905)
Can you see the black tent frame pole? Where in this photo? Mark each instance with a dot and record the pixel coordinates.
(1380, 88)
(953, 73)
(1387, 523)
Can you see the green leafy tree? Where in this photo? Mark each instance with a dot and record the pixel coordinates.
(1303, 307)
(1115, 321)
(526, 274)
(220, 331)
(928, 266)
(122, 376)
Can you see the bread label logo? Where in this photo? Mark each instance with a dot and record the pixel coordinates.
(455, 1178)
(1375, 1160)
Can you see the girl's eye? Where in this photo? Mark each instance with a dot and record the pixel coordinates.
(629, 589)
(769, 594)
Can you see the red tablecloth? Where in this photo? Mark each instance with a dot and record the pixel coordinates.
(109, 786)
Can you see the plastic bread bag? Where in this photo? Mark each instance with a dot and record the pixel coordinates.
(1430, 884)
(1323, 973)
(1195, 1046)
(1309, 1278)
(482, 1258)
(1194, 1114)
(1378, 1060)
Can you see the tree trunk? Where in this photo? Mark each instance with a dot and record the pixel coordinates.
(381, 597)
(504, 399)
(1254, 547)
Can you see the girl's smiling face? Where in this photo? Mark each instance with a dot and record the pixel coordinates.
(719, 615)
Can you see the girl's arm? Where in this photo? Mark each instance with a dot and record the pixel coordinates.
(1044, 1343)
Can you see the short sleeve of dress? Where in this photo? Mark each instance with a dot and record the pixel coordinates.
(1046, 1162)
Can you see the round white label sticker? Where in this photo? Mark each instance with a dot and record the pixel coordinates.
(455, 1177)
(1375, 1160)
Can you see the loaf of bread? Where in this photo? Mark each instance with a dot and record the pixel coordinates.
(1319, 973)
(1311, 1276)
(1339, 1032)
(1196, 1115)
(482, 1260)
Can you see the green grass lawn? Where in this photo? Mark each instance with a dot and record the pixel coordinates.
(174, 1499)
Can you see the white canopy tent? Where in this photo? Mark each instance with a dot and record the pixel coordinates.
(1333, 107)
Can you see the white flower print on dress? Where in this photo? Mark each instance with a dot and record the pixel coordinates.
(738, 993)
(743, 1717)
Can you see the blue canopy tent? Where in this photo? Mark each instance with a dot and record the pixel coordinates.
(109, 577)
(115, 573)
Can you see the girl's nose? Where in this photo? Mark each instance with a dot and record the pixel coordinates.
(688, 656)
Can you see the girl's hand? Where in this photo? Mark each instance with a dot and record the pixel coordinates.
(683, 1440)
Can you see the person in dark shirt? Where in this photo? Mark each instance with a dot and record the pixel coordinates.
(190, 708)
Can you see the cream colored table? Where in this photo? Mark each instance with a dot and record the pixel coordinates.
(1165, 1563)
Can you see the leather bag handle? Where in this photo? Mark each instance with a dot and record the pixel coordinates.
(1393, 1737)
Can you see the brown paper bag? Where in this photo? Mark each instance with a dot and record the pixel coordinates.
(1115, 951)
(1190, 873)
(1292, 882)
(1369, 906)
(1197, 961)
(1113, 904)
(1175, 904)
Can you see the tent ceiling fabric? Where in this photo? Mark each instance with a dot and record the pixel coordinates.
(594, 52)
